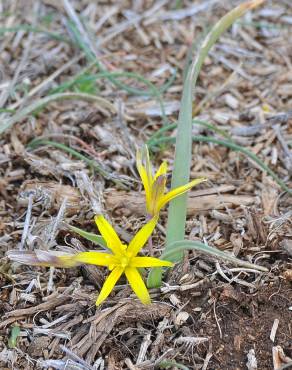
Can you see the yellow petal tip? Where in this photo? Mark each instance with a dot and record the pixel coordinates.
(97, 217)
(168, 263)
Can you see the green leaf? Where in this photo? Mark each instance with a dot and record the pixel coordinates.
(15, 331)
(237, 148)
(94, 238)
(205, 248)
(90, 162)
(181, 246)
(183, 149)
(26, 111)
(166, 364)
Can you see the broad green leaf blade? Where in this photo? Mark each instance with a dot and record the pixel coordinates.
(182, 162)
(94, 238)
(183, 150)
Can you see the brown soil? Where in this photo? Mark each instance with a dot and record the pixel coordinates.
(208, 314)
(245, 322)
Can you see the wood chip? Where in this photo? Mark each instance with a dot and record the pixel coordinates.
(251, 360)
(51, 195)
(274, 330)
(279, 358)
(181, 318)
(132, 203)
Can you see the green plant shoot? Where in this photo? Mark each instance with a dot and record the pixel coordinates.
(183, 148)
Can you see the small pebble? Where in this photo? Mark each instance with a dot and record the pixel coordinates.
(231, 101)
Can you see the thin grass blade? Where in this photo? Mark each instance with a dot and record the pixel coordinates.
(183, 245)
(90, 162)
(23, 113)
(205, 248)
(237, 148)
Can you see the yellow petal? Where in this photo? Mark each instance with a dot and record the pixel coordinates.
(95, 258)
(141, 237)
(158, 189)
(108, 233)
(162, 170)
(146, 185)
(109, 284)
(66, 261)
(148, 164)
(137, 284)
(178, 191)
(146, 181)
(149, 262)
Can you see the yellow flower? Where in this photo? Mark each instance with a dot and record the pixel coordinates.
(123, 259)
(155, 185)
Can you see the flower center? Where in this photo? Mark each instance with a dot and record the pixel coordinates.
(124, 261)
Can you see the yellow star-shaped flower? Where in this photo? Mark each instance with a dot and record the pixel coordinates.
(123, 259)
(155, 185)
